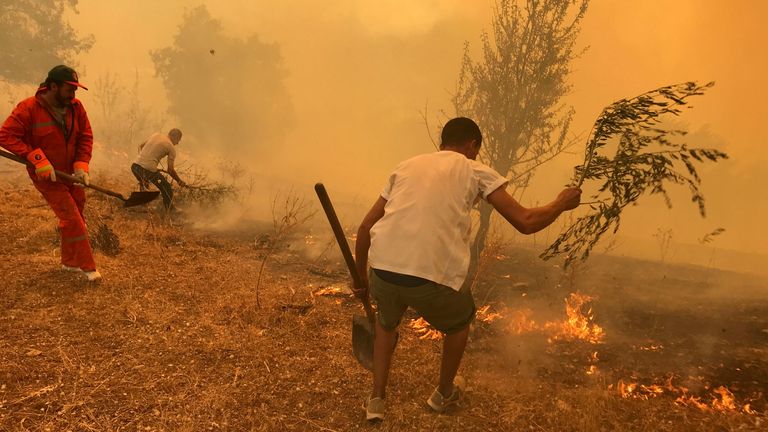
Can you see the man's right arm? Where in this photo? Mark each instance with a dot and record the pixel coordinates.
(534, 219)
(14, 130)
(172, 172)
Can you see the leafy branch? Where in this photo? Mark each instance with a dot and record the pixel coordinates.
(710, 237)
(647, 159)
(200, 189)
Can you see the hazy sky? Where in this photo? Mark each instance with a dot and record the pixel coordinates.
(362, 73)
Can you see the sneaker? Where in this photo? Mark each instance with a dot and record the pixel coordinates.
(374, 409)
(93, 276)
(440, 403)
(70, 269)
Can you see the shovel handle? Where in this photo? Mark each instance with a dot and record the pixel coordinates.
(341, 239)
(62, 175)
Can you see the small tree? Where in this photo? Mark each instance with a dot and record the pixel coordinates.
(225, 91)
(514, 90)
(35, 37)
(123, 120)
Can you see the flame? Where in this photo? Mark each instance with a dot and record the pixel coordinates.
(626, 389)
(687, 400)
(638, 391)
(578, 325)
(487, 317)
(334, 290)
(424, 330)
(726, 401)
(520, 321)
(723, 399)
(328, 291)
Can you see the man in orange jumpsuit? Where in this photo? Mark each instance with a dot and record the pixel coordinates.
(51, 130)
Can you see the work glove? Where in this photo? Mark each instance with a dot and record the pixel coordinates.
(81, 172)
(43, 167)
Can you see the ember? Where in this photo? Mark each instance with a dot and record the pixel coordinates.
(638, 391)
(651, 348)
(330, 290)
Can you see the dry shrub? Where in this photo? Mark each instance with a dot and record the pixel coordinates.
(289, 212)
(105, 240)
(201, 189)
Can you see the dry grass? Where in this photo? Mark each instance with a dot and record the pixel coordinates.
(171, 340)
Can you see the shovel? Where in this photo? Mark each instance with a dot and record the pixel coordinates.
(362, 326)
(136, 198)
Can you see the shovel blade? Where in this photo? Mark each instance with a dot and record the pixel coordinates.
(362, 341)
(140, 198)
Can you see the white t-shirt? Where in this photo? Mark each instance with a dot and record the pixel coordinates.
(425, 230)
(157, 147)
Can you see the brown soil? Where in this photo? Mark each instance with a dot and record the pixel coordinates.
(176, 338)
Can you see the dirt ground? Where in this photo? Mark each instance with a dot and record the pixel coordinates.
(178, 338)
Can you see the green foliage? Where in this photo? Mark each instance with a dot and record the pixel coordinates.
(647, 159)
(227, 92)
(35, 37)
(514, 90)
(710, 237)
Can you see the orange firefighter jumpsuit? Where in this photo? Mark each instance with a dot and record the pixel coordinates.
(31, 126)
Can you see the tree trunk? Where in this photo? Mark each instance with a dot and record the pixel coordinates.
(478, 244)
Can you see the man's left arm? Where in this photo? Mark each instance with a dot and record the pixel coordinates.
(172, 168)
(363, 242)
(83, 145)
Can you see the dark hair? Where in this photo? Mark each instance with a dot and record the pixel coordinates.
(460, 130)
(49, 81)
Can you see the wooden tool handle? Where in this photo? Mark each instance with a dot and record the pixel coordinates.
(63, 175)
(330, 213)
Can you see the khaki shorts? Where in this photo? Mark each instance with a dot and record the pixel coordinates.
(442, 307)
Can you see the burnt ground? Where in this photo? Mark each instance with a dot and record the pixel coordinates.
(179, 336)
(687, 330)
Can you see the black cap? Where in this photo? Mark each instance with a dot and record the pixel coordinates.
(62, 73)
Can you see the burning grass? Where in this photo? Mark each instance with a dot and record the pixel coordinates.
(172, 340)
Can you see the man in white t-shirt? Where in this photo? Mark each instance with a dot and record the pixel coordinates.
(417, 235)
(151, 152)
